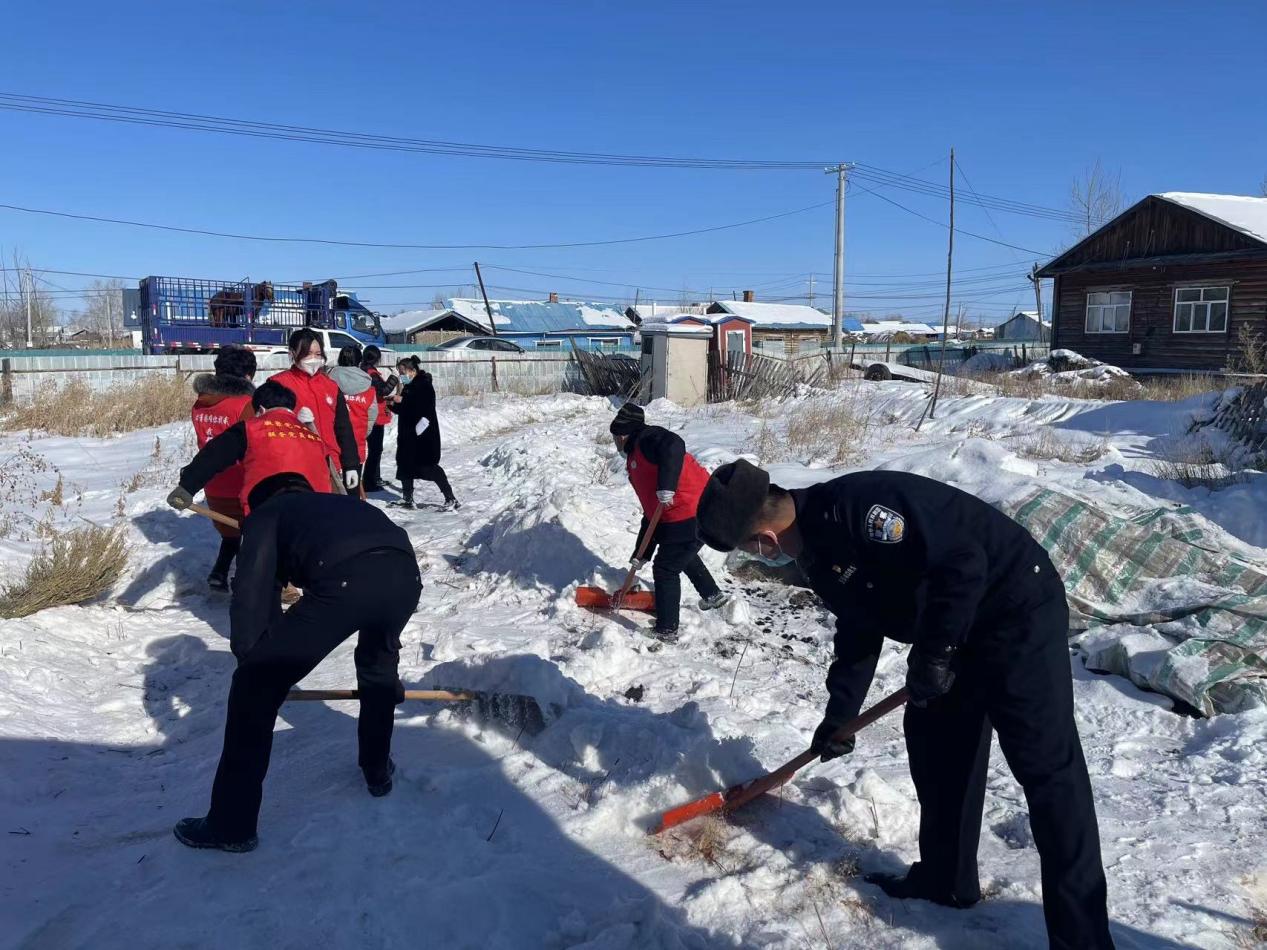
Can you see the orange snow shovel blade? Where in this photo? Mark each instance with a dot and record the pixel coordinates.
(600, 599)
(739, 795)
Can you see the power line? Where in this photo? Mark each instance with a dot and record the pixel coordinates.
(410, 247)
(136, 115)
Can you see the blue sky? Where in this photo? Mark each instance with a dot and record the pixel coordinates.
(1029, 95)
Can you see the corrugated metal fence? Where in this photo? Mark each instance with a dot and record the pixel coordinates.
(23, 378)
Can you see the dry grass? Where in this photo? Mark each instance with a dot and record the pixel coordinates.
(708, 840)
(73, 567)
(78, 410)
(832, 431)
(1117, 389)
(1197, 466)
(1045, 445)
(1175, 388)
(1251, 352)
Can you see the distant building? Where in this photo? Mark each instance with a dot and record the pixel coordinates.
(1024, 326)
(534, 325)
(1168, 285)
(782, 329)
(885, 330)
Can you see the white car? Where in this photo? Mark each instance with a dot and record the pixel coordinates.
(482, 343)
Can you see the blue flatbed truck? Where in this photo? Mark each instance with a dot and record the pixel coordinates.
(191, 315)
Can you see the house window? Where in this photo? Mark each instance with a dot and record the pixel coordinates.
(735, 341)
(549, 344)
(603, 343)
(1109, 311)
(1201, 309)
(770, 345)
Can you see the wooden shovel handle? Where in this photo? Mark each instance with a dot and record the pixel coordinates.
(215, 516)
(642, 549)
(435, 695)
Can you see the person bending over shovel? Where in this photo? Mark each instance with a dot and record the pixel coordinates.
(358, 572)
(664, 475)
(897, 554)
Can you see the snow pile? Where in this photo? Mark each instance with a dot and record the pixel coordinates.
(1069, 370)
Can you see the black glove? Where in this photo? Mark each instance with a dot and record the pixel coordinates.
(827, 747)
(928, 674)
(180, 499)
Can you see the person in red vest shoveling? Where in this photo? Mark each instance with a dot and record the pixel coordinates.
(664, 474)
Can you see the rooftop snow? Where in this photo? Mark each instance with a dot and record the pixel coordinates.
(776, 314)
(897, 326)
(409, 321)
(1239, 212)
(535, 316)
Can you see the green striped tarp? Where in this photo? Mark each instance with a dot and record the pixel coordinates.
(1156, 600)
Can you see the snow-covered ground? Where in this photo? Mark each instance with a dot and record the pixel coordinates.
(111, 717)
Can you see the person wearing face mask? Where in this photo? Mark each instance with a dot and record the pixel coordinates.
(899, 555)
(418, 438)
(663, 473)
(319, 403)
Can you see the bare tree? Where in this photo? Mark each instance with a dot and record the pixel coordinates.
(22, 297)
(1095, 197)
(103, 310)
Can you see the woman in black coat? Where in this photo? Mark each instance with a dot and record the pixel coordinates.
(418, 435)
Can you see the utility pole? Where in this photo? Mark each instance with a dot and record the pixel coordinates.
(484, 293)
(838, 291)
(30, 343)
(811, 288)
(1038, 299)
(931, 408)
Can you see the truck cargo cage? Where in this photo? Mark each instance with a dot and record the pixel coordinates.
(186, 314)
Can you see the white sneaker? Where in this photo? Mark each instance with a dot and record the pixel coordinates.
(719, 599)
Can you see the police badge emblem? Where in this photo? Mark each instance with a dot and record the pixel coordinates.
(884, 525)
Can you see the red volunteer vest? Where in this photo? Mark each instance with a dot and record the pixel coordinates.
(209, 422)
(319, 393)
(643, 476)
(384, 414)
(278, 442)
(359, 412)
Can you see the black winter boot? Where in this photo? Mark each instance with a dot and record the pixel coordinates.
(379, 781)
(196, 833)
(914, 886)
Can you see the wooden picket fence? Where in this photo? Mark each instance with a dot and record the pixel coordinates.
(736, 375)
(610, 375)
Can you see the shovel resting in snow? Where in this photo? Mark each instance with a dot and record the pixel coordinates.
(520, 712)
(624, 598)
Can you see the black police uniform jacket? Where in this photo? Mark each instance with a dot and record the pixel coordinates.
(903, 556)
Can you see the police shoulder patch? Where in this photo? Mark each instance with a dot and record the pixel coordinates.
(884, 525)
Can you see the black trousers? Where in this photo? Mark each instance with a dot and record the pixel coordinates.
(374, 456)
(1016, 680)
(429, 473)
(677, 548)
(375, 594)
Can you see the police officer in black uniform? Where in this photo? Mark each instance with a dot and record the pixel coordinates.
(899, 555)
(359, 573)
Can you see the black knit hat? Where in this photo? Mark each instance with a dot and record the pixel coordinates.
(629, 420)
(729, 506)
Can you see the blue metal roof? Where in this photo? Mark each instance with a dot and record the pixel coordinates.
(543, 317)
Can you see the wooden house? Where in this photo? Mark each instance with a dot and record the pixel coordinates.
(781, 329)
(1176, 283)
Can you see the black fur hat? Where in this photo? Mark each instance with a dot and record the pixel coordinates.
(729, 506)
(629, 420)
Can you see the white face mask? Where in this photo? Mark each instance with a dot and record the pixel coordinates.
(312, 365)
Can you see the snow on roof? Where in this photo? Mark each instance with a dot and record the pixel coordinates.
(410, 320)
(535, 316)
(1239, 212)
(775, 315)
(897, 326)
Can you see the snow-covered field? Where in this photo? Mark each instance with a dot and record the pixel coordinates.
(111, 716)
